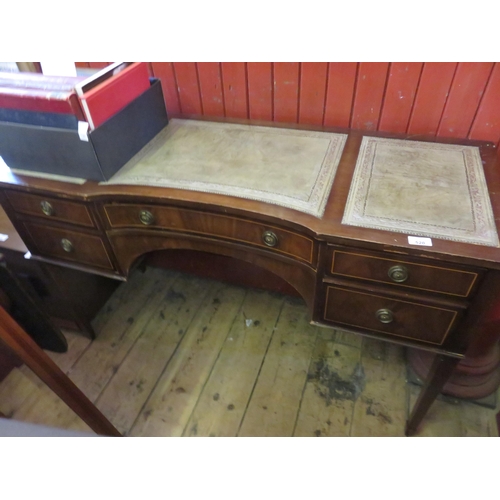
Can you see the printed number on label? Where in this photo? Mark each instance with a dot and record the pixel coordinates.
(425, 242)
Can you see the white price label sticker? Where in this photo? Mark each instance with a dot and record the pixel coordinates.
(423, 242)
(83, 130)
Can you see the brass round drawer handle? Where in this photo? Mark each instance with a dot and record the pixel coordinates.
(67, 246)
(146, 217)
(398, 274)
(47, 208)
(384, 315)
(269, 238)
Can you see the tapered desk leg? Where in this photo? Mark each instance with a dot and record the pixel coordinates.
(41, 364)
(441, 369)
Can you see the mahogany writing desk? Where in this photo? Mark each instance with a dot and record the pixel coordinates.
(360, 279)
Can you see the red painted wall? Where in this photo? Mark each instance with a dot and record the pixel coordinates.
(459, 100)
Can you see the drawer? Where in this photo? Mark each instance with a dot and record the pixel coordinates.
(267, 236)
(69, 245)
(403, 272)
(50, 208)
(400, 318)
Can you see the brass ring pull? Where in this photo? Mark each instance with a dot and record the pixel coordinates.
(67, 245)
(384, 316)
(270, 239)
(398, 274)
(146, 217)
(47, 208)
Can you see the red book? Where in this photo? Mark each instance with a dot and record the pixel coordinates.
(50, 101)
(99, 77)
(108, 97)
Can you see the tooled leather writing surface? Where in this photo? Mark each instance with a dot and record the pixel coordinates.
(420, 188)
(291, 168)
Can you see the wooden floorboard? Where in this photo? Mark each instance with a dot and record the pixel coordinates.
(335, 381)
(170, 314)
(275, 401)
(177, 355)
(98, 364)
(380, 409)
(174, 397)
(222, 403)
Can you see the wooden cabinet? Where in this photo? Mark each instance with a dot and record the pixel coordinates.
(70, 297)
(402, 273)
(376, 313)
(368, 281)
(69, 245)
(425, 298)
(54, 209)
(399, 298)
(60, 230)
(212, 225)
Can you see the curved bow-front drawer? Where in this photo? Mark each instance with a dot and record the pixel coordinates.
(73, 246)
(50, 208)
(394, 317)
(401, 272)
(232, 228)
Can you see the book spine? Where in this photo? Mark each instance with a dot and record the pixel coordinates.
(75, 104)
(53, 120)
(39, 100)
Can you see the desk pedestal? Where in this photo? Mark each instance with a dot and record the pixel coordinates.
(475, 377)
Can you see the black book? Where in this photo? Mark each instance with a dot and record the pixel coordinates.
(39, 118)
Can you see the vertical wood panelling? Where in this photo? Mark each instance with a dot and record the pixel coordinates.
(165, 71)
(486, 125)
(313, 81)
(260, 90)
(209, 74)
(399, 96)
(444, 99)
(369, 94)
(339, 94)
(234, 83)
(98, 65)
(188, 88)
(431, 97)
(286, 91)
(465, 94)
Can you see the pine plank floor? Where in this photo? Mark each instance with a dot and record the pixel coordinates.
(177, 355)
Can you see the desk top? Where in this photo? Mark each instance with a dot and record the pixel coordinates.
(286, 167)
(329, 227)
(421, 188)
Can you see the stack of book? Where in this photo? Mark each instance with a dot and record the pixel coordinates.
(85, 127)
(62, 102)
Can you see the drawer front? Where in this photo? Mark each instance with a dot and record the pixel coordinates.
(403, 273)
(213, 225)
(390, 316)
(50, 208)
(69, 245)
